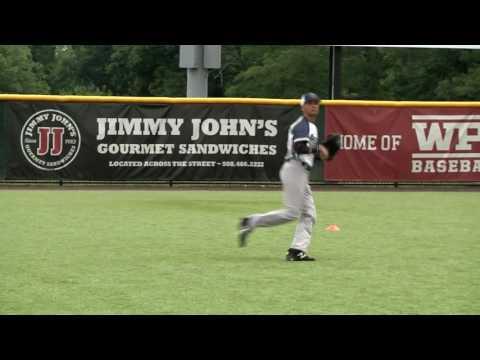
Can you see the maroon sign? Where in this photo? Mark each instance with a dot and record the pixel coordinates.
(404, 143)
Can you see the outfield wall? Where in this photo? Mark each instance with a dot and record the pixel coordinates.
(405, 141)
(91, 138)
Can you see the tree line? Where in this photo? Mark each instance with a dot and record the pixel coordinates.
(267, 71)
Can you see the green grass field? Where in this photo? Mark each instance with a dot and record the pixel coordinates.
(176, 252)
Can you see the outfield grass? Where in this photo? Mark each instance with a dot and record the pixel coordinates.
(175, 252)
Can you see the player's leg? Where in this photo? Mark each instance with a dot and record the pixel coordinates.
(303, 232)
(294, 179)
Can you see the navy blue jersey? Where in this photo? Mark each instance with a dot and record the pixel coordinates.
(302, 130)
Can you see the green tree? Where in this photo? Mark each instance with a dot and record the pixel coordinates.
(19, 73)
(247, 71)
(43, 54)
(462, 87)
(283, 72)
(92, 63)
(415, 74)
(146, 70)
(80, 70)
(361, 73)
(44, 57)
(465, 85)
(236, 59)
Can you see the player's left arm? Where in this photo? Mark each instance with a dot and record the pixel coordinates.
(303, 147)
(330, 146)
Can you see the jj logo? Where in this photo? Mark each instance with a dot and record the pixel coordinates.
(44, 140)
(50, 140)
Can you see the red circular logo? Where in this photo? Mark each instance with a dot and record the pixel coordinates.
(50, 140)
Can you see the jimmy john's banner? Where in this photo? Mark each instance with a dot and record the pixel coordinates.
(184, 142)
(405, 143)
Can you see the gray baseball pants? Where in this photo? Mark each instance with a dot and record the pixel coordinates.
(298, 204)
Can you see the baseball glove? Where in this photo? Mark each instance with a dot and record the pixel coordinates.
(332, 144)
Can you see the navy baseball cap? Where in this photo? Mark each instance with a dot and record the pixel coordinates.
(309, 97)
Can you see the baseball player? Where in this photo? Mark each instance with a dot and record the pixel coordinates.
(302, 148)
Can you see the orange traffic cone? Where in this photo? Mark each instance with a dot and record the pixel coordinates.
(332, 228)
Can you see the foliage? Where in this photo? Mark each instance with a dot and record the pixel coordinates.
(19, 73)
(270, 71)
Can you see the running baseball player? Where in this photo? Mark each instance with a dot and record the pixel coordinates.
(302, 148)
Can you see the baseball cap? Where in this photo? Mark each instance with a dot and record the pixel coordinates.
(308, 97)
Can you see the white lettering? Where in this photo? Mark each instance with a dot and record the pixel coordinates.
(359, 142)
(464, 165)
(101, 128)
(426, 142)
(125, 126)
(156, 127)
(396, 141)
(247, 126)
(452, 165)
(441, 166)
(228, 127)
(464, 139)
(271, 128)
(210, 127)
(111, 126)
(195, 129)
(227, 149)
(134, 126)
(416, 166)
(428, 139)
(135, 148)
(429, 166)
(347, 142)
(175, 125)
(476, 166)
(243, 149)
(385, 143)
(446, 166)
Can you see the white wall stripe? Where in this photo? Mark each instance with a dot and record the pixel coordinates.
(445, 155)
(445, 117)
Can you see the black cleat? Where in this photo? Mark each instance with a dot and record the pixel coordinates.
(244, 231)
(297, 255)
